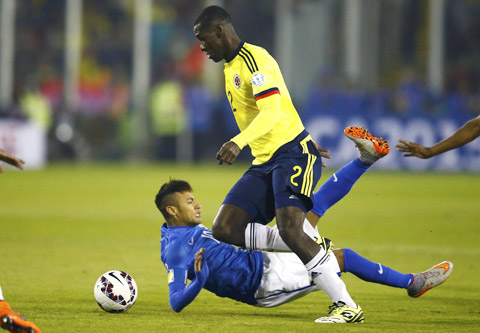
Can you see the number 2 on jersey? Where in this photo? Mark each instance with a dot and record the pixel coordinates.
(298, 171)
(231, 101)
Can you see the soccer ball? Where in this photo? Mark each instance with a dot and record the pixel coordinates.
(115, 291)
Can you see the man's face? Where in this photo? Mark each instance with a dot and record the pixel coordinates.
(210, 42)
(188, 209)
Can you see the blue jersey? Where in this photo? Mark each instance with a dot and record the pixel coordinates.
(233, 272)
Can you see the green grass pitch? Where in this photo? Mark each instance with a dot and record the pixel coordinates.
(64, 226)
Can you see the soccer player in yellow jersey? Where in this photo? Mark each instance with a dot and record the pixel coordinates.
(287, 162)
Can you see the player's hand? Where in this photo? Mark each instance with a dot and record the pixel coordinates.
(12, 160)
(228, 153)
(323, 152)
(413, 149)
(198, 260)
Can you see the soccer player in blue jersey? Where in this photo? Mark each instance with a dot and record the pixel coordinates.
(287, 162)
(265, 279)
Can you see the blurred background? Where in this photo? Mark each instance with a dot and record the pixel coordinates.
(122, 80)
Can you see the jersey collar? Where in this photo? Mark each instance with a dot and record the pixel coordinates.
(236, 52)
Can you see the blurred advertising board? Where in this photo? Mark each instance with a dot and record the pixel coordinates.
(327, 131)
(25, 140)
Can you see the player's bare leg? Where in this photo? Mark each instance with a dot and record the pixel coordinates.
(290, 225)
(316, 259)
(229, 225)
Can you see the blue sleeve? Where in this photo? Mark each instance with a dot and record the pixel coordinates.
(181, 296)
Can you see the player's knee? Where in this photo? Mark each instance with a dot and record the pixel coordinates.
(228, 233)
(290, 232)
(220, 230)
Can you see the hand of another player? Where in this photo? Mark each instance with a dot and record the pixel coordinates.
(12, 160)
(413, 149)
(323, 152)
(198, 260)
(228, 153)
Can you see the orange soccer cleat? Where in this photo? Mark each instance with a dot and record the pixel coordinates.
(12, 322)
(371, 148)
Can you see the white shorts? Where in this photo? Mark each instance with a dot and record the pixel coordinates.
(285, 279)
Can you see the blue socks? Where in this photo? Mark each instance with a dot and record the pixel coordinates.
(374, 272)
(337, 186)
(329, 194)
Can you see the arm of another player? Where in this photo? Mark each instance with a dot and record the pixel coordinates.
(12, 160)
(468, 132)
(182, 295)
(323, 153)
(263, 123)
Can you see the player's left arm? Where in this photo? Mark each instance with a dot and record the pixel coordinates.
(180, 295)
(12, 160)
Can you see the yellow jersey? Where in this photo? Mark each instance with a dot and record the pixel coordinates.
(251, 76)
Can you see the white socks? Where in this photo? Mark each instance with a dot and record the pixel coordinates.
(1, 294)
(265, 238)
(322, 270)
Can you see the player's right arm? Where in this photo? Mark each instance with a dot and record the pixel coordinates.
(180, 295)
(12, 160)
(468, 132)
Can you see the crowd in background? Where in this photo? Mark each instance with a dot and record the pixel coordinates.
(177, 94)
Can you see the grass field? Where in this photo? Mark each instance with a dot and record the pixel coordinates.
(64, 226)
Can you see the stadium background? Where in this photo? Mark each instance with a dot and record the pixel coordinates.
(122, 79)
(101, 136)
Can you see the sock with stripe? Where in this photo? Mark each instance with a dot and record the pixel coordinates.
(337, 186)
(323, 273)
(374, 272)
(266, 238)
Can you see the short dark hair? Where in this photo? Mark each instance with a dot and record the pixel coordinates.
(212, 14)
(165, 196)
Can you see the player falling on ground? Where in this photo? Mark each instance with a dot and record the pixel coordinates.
(465, 134)
(10, 320)
(267, 279)
(287, 162)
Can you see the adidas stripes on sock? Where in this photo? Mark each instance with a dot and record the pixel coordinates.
(323, 273)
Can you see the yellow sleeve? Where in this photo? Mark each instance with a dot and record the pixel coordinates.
(263, 123)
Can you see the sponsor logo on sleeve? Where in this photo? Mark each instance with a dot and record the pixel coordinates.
(258, 79)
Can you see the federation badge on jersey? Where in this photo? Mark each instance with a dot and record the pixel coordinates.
(237, 82)
(258, 79)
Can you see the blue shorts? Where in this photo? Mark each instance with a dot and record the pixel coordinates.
(287, 179)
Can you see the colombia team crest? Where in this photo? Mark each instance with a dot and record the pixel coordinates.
(237, 82)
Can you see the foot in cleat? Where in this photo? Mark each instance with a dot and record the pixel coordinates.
(340, 313)
(12, 322)
(371, 148)
(429, 279)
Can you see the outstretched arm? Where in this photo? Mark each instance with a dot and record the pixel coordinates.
(468, 132)
(182, 295)
(12, 160)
